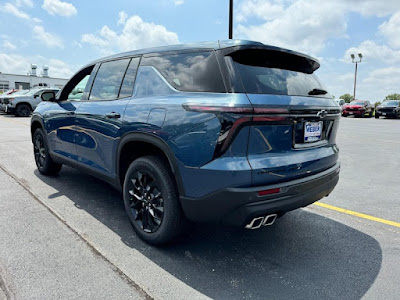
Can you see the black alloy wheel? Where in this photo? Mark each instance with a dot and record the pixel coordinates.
(152, 201)
(23, 110)
(39, 151)
(147, 203)
(44, 162)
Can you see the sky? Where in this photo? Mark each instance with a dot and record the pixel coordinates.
(65, 35)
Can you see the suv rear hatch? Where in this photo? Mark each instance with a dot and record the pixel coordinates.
(293, 128)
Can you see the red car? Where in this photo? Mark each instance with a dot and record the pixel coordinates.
(358, 108)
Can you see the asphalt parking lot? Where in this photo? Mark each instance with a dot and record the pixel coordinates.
(74, 228)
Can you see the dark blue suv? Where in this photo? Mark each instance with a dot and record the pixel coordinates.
(233, 132)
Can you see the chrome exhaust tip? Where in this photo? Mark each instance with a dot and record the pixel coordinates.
(269, 219)
(255, 223)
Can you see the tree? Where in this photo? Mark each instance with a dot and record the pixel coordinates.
(393, 97)
(347, 98)
(377, 103)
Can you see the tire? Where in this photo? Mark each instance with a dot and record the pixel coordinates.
(376, 116)
(344, 115)
(158, 219)
(371, 113)
(362, 114)
(44, 162)
(23, 110)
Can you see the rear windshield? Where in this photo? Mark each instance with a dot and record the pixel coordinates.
(266, 72)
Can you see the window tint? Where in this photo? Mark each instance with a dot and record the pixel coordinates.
(149, 82)
(129, 79)
(269, 73)
(108, 80)
(191, 72)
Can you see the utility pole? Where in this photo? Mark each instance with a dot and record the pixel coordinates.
(230, 19)
(355, 73)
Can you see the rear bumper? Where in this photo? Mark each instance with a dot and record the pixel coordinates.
(237, 206)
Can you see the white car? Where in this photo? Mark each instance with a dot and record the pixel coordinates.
(22, 105)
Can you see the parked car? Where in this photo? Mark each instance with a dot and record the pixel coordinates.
(233, 132)
(388, 108)
(4, 98)
(358, 108)
(22, 105)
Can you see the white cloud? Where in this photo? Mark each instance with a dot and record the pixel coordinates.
(57, 7)
(24, 3)
(135, 34)
(374, 53)
(37, 20)
(12, 9)
(178, 2)
(8, 45)
(122, 16)
(307, 25)
(260, 9)
(19, 64)
(303, 26)
(50, 40)
(391, 30)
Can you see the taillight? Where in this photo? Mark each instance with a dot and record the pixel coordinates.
(234, 118)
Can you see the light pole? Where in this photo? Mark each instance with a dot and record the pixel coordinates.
(355, 73)
(230, 19)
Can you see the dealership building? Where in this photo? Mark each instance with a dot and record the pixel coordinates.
(14, 81)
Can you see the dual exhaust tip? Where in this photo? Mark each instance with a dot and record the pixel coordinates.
(267, 220)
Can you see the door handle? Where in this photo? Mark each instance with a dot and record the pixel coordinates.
(113, 115)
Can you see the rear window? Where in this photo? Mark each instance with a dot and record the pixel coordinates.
(189, 72)
(272, 72)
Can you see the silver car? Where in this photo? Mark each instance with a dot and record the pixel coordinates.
(22, 104)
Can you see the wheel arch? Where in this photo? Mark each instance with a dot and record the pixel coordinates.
(134, 145)
(35, 124)
(20, 103)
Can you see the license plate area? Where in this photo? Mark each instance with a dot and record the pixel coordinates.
(312, 131)
(304, 139)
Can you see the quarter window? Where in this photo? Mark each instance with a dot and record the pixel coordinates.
(190, 72)
(108, 80)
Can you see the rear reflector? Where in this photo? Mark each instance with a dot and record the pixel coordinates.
(269, 192)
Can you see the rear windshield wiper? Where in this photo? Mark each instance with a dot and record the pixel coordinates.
(317, 92)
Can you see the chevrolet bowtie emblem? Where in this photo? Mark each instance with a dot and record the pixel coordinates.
(322, 114)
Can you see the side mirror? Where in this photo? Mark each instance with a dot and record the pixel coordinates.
(35, 96)
(48, 96)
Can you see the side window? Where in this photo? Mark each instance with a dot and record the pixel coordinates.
(78, 90)
(129, 79)
(108, 80)
(75, 88)
(190, 72)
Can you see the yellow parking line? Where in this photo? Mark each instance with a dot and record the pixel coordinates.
(360, 215)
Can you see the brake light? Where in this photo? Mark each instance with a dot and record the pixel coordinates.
(269, 192)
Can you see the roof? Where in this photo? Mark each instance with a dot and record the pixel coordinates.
(223, 44)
